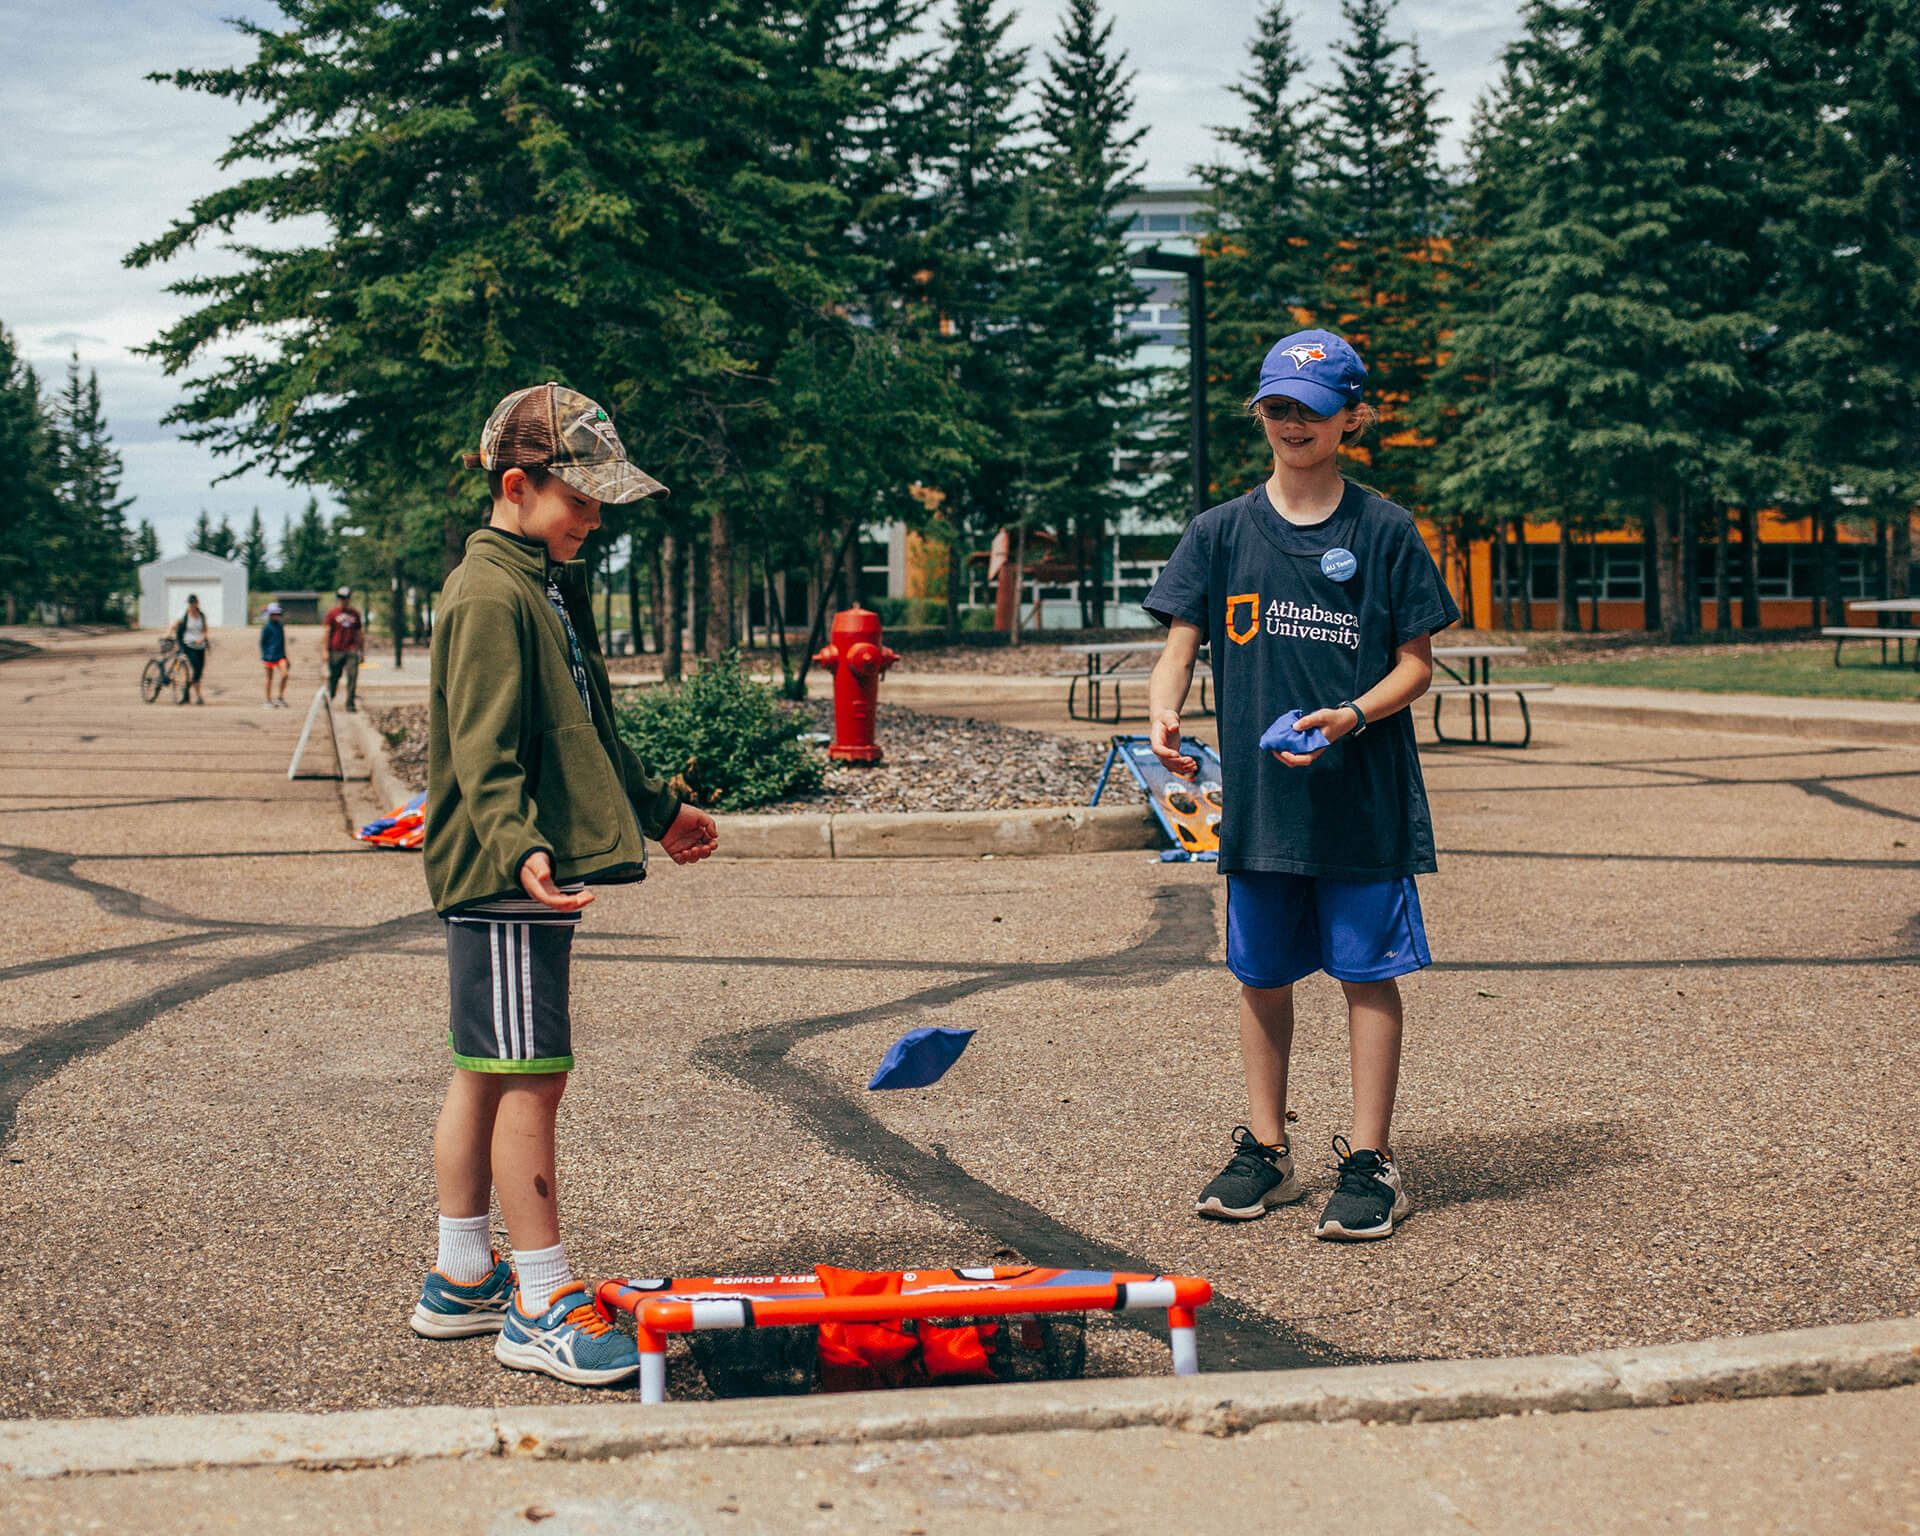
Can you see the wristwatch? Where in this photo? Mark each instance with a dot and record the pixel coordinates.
(1359, 729)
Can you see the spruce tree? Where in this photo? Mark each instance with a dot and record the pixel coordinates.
(1627, 262)
(309, 554)
(146, 544)
(1382, 196)
(1265, 254)
(253, 552)
(88, 564)
(27, 512)
(1843, 363)
(1080, 395)
(972, 154)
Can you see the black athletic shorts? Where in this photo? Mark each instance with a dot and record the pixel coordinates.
(508, 985)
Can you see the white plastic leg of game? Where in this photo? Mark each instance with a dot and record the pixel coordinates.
(1186, 1354)
(653, 1378)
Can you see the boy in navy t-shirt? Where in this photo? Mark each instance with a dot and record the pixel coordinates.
(1315, 595)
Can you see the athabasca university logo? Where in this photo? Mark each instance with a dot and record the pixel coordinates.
(1306, 352)
(1251, 602)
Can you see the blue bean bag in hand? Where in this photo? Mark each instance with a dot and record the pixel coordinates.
(920, 1057)
(1282, 737)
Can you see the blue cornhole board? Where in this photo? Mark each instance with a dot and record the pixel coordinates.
(1188, 809)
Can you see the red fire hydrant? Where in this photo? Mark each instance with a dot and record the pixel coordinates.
(856, 658)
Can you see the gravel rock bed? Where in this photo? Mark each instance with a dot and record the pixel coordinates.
(404, 731)
(933, 763)
(940, 763)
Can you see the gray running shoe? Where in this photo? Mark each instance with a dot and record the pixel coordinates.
(1368, 1200)
(1256, 1178)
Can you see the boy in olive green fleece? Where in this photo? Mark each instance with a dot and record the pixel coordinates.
(532, 798)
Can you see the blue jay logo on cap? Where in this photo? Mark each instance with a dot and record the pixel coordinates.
(1338, 564)
(1304, 354)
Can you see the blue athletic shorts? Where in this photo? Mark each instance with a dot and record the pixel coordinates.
(1283, 927)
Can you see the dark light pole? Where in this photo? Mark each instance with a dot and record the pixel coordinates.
(1156, 260)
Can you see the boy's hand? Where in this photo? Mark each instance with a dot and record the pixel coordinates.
(1333, 723)
(692, 837)
(1165, 737)
(536, 879)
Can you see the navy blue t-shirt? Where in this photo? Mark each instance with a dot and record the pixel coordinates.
(1304, 618)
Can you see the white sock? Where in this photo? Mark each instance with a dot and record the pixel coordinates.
(466, 1249)
(542, 1271)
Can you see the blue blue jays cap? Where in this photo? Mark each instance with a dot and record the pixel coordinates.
(1316, 368)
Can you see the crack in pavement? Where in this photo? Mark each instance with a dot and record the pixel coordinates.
(1237, 1335)
(1241, 1336)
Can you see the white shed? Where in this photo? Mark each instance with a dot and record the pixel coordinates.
(221, 586)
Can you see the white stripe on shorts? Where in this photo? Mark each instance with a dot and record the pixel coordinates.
(526, 989)
(500, 1037)
(516, 1020)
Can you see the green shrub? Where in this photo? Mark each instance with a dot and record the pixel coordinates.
(910, 612)
(976, 618)
(724, 734)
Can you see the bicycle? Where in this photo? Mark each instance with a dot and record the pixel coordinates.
(168, 669)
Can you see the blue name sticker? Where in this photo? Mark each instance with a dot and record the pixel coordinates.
(1338, 564)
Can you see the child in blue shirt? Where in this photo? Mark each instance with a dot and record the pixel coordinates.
(1315, 594)
(273, 654)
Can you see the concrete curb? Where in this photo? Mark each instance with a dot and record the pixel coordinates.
(388, 789)
(1850, 1358)
(1797, 724)
(941, 834)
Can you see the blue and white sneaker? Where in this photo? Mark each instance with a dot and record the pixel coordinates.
(449, 1310)
(572, 1340)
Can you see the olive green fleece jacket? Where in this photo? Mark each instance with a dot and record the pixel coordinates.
(514, 764)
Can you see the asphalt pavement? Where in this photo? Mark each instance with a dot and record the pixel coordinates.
(1658, 1085)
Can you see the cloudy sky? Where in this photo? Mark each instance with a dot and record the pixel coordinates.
(95, 159)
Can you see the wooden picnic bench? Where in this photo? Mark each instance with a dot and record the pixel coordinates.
(1478, 688)
(1840, 634)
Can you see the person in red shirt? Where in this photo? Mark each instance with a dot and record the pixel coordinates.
(346, 641)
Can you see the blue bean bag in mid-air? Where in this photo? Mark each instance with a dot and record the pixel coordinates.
(920, 1057)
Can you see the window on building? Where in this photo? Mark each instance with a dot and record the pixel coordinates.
(1163, 221)
(1619, 570)
(1136, 223)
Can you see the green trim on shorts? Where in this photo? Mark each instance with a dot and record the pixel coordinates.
(494, 1064)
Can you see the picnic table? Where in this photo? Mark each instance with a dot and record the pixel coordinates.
(1478, 688)
(1900, 633)
(1106, 665)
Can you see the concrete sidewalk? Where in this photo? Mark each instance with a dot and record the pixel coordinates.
(1840, 1464)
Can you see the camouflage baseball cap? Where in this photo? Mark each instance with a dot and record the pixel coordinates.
(552, 427)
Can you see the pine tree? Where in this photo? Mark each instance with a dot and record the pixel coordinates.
(309, 554)
(1843, 363)
(89, 571)
(1626, 267)
(27, 512)
(209, 540)
(972, 153)
(1383, 198)
(476, 172)
(146, 544)
(1079, 401)
(1496, 458)
(1265, 255)
(253, 552)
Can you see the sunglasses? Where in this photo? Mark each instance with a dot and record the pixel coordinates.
(1287, 410)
